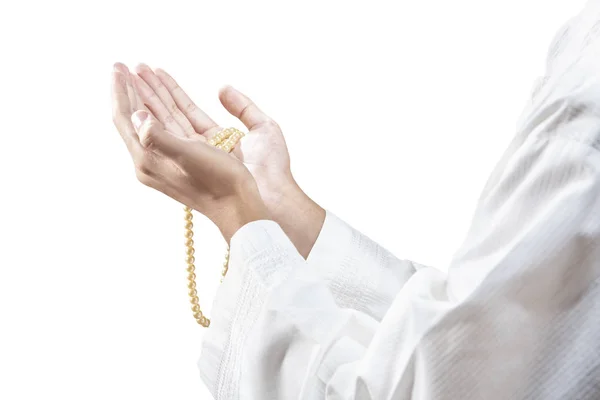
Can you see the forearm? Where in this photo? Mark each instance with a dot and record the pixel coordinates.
(298, 215)
(361, 274)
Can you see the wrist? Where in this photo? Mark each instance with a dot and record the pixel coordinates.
(239, 210)
(297, 214)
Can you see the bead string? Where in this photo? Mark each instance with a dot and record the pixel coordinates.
(226, 141)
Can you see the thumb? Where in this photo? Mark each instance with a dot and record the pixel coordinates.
(241, 107)
(153, 135)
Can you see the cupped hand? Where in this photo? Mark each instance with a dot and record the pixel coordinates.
(263, 150)
(175, 160)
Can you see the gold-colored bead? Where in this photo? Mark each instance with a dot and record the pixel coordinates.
(225, 140)
(228, 143)
(219, 137)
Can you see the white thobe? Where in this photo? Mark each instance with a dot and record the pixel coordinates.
(517, 315)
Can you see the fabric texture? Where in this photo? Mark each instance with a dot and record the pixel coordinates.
(517, 316)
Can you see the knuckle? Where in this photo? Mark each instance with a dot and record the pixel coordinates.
(245, 111)
(147, 140)
(145, 166)
(179, 115)
(122, 80)
(191, 107)
(169, 119)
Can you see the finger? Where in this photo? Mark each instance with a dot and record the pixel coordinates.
(140, 106)
(132, 93)
(121, 107)
(158, 109)
(165, 97)
(241, 107)
(154, 137)
(200, 121)
(130, 90)
(139, 103)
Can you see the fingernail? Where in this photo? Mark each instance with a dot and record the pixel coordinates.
(138, 119)
(142, 67)
(121, 68)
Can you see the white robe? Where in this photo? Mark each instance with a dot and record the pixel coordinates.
(516, 317)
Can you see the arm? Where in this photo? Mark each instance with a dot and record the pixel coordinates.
(514, 290)
(515, 317)
(360, 274)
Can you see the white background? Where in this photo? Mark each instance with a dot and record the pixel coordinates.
(395, 112)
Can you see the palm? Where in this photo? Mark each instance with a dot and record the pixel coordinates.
(263, 150)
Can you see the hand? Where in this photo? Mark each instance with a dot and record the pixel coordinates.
(185, 167)
(263, 150)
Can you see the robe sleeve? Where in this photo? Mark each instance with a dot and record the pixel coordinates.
(516, 316)
(476, 332)
(360, 274)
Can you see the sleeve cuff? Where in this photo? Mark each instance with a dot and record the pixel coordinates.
(332, 244)
(261, 256)
(360, 274)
